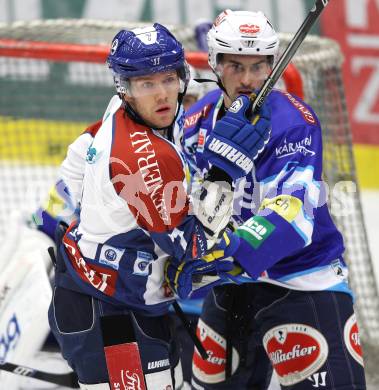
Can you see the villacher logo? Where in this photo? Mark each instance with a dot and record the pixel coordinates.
(212, 370)
(296, 351)
(352, 340)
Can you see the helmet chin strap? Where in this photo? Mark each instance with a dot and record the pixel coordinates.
(218, 82)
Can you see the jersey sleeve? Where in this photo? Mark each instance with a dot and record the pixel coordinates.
(288, 176)
(62, 202)
(189, 143)
(197, 125)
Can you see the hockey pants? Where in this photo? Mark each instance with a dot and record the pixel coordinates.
(310, 338)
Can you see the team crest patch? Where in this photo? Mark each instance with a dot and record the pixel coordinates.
(141, 265)
(212, 370)
(92, 155)
(338, 269)
(111, 256)
(296, 351)
(352, 341)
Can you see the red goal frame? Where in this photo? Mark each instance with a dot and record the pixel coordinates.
(69, 52)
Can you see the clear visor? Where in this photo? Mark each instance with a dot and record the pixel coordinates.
(259, 70)
(165, 82)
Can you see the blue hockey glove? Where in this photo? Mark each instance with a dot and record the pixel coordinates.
(180, 276)
(235, 141)
(227, 271)
(224, 249)
(222, 253)
(194, 278)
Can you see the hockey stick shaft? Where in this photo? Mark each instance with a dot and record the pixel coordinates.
(178, 310)
(286, 57)
(122, 353)
(68, 379)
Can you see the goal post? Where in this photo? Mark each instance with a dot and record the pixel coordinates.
(54, 82)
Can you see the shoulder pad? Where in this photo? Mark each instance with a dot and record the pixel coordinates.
(302, 108)
(202, 108)
(193, 119)
(93, 128)
(113, 106)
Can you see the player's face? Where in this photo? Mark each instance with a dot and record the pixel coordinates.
(241, 74)
(154, 97)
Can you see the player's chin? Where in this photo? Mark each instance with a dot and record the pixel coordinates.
(164, 118)
(161, 123)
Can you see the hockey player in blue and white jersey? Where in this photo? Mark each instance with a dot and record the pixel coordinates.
(295, 313)
(132, 188)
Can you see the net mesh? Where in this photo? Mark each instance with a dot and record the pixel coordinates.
(46, 104)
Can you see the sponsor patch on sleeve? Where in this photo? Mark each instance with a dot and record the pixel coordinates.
(191, 120)
(290, 148)
(256, 230)
(307, 115)
(201, 140)
(287, 206)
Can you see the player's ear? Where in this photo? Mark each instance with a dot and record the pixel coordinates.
(127, 97)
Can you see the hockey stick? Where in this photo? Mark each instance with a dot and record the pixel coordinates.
(179, 312)
(122, 352)
(288, 54)
(68, 379)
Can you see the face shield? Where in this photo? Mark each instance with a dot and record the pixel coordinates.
(150, 84)
(236, 67)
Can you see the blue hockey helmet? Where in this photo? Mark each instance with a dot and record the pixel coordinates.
(143, 51)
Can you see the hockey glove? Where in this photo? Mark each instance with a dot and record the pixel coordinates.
(180, 276)
(194, 278)
(222, 253)
(235, 141)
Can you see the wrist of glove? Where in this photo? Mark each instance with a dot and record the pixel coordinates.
(235, 141)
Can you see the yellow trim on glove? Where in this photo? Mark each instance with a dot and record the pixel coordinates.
(255, 120)
(237, 270)
(213, 255)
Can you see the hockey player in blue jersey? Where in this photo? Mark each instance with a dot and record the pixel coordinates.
(295, 313)
(132, 188)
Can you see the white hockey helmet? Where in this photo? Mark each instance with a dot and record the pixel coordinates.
(241, 32)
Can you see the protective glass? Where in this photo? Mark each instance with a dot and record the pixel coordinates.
(147, 86)
(258, 71)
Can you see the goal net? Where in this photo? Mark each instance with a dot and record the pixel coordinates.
(54, 82)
